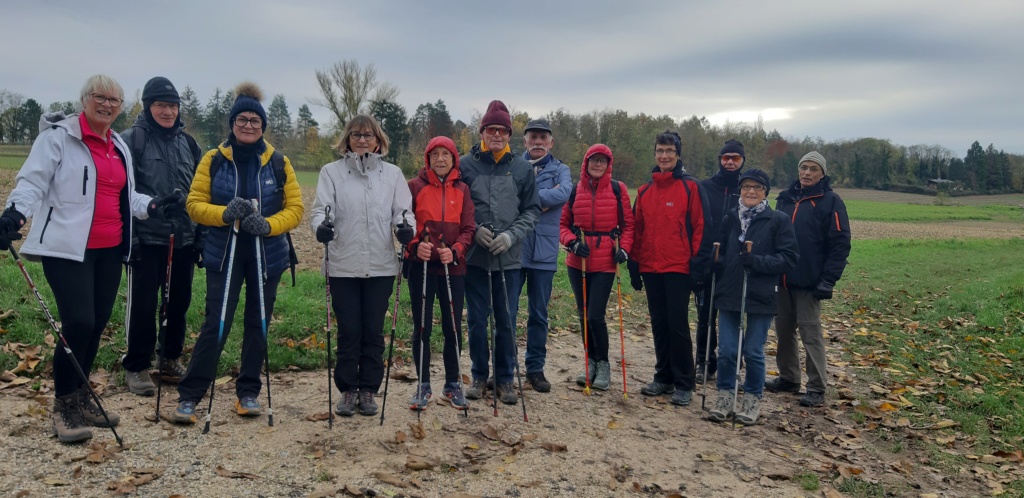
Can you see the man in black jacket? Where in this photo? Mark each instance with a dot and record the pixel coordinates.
(823, 233)
(164, 158)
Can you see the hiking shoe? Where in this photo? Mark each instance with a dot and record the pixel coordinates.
(347, 406)
(68, 424)
(603, 377)
(185, 413)
(750, 408)
(723, 406)
(507, 393)
(699, 376)
(367, 405)
(812, 399)
(91, 413)
(780, 385)
(421, 397)
(476, 389)
(657, 389)
(248, 406)
(682, 398)
(140, 383)
(171, 370)
(539, 382)
(453, 392)
(581, 379)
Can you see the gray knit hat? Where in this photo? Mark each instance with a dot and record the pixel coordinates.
(814, 157)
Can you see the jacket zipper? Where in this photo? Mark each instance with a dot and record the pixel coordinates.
(259, 211)
(444, 204)
(85, 178)
(48, 215)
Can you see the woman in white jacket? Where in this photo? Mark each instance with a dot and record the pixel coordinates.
(368, 198)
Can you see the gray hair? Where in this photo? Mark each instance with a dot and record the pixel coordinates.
(100, 82)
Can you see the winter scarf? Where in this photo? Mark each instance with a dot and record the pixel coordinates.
(748, 214)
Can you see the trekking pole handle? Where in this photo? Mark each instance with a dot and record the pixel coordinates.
(327, 213)
(716, 246)
(748, 246)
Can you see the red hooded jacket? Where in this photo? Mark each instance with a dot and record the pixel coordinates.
(444, 210)
(670, 223)
(596, 211)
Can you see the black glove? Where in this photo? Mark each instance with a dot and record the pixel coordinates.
(578, 248)
(822, 291)
(325, 232)
(10, 222)
(255, 224)
(634, 275)
(237, 209)
(697, 278)
(169, 207)
(621, 256)
(404, 234)
(198, 246)
(747, 259)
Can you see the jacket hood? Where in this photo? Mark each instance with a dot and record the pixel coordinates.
(50, 119)
(678, 172)
(146, 121)
(593, 150)
(440, 142)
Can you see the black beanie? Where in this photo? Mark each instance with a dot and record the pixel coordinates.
(732, 146)
(159, 88)
(248, 99)
(759, 177)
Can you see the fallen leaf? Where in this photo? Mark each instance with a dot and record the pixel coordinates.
(613, 424)
(390, 479)
(490, 433)
(414, 462)
(529, 437)
(417, 430)
(710, 457)
(400, 437)
(317, 417)
(352, 490)
(221, 471)
(553, 447)
(768, 483)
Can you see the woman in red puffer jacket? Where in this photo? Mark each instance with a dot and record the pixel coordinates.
(597, 230)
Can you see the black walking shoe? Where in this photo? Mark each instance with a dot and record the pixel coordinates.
(171, 371)
(682, 398)
(367, 405)
(657, 389)
(347, 405)
(476, 389)
(812, 399)
(780, 385)
(507, 393)
(539, 383)
(699, 376)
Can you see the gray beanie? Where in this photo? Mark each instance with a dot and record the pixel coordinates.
(814, 157)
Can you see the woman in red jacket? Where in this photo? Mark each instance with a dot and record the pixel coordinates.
(597, 229)
(445, 213)
(670, 228)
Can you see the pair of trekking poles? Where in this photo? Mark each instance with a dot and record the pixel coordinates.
(622, 333)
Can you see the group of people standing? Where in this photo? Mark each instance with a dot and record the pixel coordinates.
(473, 231)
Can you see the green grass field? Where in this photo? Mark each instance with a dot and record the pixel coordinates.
(909, 213)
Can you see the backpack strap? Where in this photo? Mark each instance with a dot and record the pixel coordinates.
(197, 152)
(617, 190)
(138, 143)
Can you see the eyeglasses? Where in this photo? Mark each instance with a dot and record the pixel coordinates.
(496, 130)
(732, 157)
(664, 152)
(756, 187)
(103, 99)
(434, 156)
(241, 121)
(597, 160)
(362, 136)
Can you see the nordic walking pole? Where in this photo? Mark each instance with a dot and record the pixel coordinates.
(622, 331)
(423, 322)
(64, 343)
(163, 324)
(586, 344)
(494, 324)
(394, 324)
(455, 324)
(258, 246)
(515, 344)
(327, 281)
(223, 314)
(711, 311)
(748, 245)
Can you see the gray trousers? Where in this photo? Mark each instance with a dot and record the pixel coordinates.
(798, 310)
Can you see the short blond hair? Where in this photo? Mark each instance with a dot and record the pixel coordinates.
(363, 122)
(100, 82)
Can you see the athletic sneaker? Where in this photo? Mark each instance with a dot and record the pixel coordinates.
(367, 405)
(657, 389)
(140, 383)
(453, 392)
(682, 398)
(421, 397)
(778, 385)
(347, 405)
(699, 376)
(248, 406)
(185, 413)
(723, 406)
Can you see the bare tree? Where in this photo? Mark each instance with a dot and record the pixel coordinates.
(346, 89)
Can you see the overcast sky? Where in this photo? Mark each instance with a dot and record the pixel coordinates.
(933, 72)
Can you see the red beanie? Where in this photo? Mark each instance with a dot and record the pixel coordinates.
(497, 114)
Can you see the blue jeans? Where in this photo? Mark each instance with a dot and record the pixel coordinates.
(753, 350)
(478, 305)
(538, 293)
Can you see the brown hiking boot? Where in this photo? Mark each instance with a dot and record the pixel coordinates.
(91, 413)
(68, 425)
(140, 383)
(171, 371)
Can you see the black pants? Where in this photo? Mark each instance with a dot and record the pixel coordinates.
(146, 279)
(202, 369)
(452, 332)
(706, 314)
(667, 296)
(599, 288)
(360, 306)
(84, 293)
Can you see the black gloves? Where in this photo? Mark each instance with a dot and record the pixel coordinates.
(405, 233)
(620, 256)
(325, 232)
(697, 278)
(747, 259)
(169, 207)
(255, 224)
(578, 248)
(237, 209)
(198, 246)
(822, 291)
(10, 222)
(634, 275)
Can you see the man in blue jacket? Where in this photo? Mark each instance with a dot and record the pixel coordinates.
(540, 247)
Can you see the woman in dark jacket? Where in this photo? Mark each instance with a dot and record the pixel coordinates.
(773, 251)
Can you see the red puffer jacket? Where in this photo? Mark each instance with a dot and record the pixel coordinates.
(442, 209)
(596, 211)
(670, 224)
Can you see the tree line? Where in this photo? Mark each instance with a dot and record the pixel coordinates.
(347, 89)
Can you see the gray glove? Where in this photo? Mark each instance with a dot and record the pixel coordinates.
(237, 209)
(256, 224)
(501, 243)
(484, 237)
